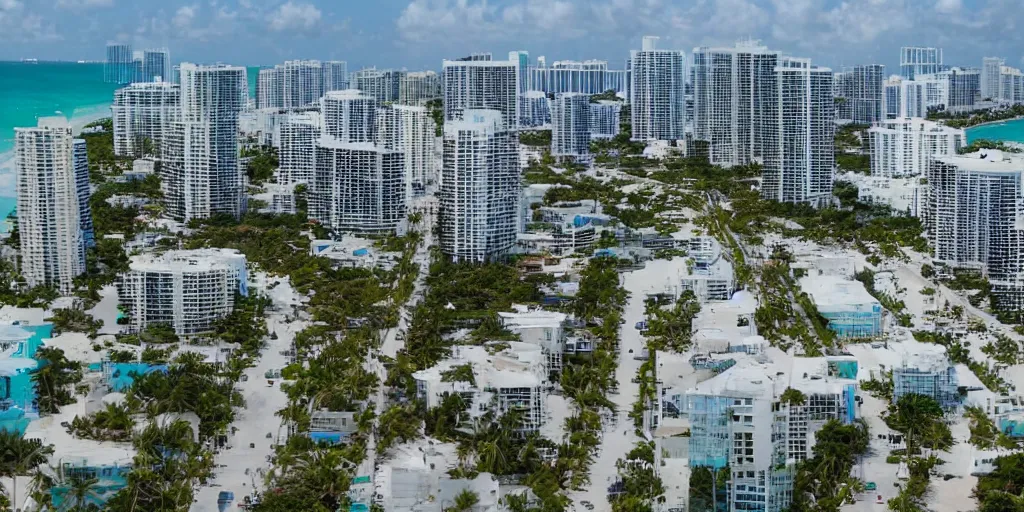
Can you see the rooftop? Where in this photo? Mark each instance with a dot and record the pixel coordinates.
(196, 260)
(986, 160)
(829, 291)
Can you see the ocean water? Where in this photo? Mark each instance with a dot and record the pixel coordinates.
(31, 91)
(1009, 131)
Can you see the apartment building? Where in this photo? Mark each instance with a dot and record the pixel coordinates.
(974, 219)
(954, 89)
(905, 98)
(189, 290)
(903, 146)
(481, 85)
(349, 116)
(512, 380)
(418, 87)
(410, 130)
(534, 110)
(605, 119)
(479, 187)
(570, 125)
(586, 77)
(737, 420)
(658, 106)
(358, 187)
(297, 153)
(798, 139)
(860, 93)
(1010, 85)
(49, 210)
(545, 329)
(381, 84)
(991, 69)
(299, 83)
(143, 114)
(732, 91)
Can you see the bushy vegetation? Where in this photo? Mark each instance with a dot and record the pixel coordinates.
(968, 119)
(823, 482)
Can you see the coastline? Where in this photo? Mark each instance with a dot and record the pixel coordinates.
(999, 121)
(79, 118)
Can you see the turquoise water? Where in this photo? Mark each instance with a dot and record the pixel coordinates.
(30, 91)
(1010, 131)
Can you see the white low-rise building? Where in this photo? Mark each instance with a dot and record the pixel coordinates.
(903, 195)
(711, 276)
(189, 290)
(545, 329)
(512, 380)
(850, 310)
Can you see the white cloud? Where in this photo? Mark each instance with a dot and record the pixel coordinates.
(183, 18)
(294, 16)
(19, 25)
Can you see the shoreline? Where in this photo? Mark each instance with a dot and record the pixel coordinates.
(987, 123)
(79, 118)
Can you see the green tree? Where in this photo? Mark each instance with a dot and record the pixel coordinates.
(20, 456)
(464, 502)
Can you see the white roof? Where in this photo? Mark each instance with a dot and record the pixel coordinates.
(525, 319)
(994, 161)
(192, 260)
(511, 369)
(834, 291)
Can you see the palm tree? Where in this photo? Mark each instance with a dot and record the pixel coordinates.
(81, 492)
(20, 456)
(464, 501)
(913, 414)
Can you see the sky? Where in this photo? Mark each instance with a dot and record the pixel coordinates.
(417, 34)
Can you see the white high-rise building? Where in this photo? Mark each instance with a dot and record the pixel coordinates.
(269, 93)
(335, 75)
(410, 130)
(991, 68)
(799, 152)
(359, 187)
(297, 155)
(349, 116)
(188, 290)
(481, 84)
(902, 147)
(382, 84)
(860, 94)
(570, 125)
(1011, 85)
(605, 116)
(974, 217)
(954, 89)
(905, 98)
(141, 112)
(730, 87)
(534, 110)
(658, 92)
(419, 86)
(201, 172)
(48, 208)
(299, 83)
(916, 61)
(302, 83)
(479, 187)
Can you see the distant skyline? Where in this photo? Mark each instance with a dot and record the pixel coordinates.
(418, 34)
